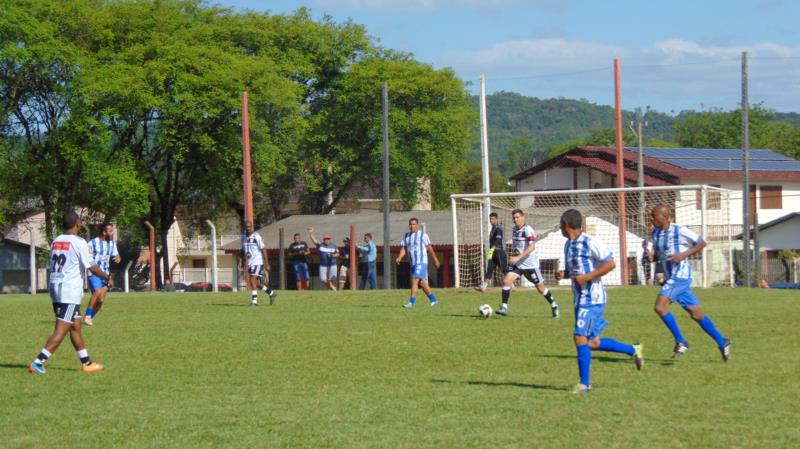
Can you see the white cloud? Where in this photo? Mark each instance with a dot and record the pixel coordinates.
(670, 74)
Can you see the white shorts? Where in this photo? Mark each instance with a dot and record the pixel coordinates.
(343, 273)
(327, 273)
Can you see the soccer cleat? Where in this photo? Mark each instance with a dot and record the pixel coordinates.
(502, 310)
(680, 349)
(554, 310)
(725, 350)
(87, 320)
(481, 288)
(272, 296)
(581, 389)
(92, 367)
(36, 368)
(408, 305)
(253, 303)
(638, 355)
(434, 303)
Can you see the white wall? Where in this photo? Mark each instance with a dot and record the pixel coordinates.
(785, 235)
(559, 178)
(790, 202)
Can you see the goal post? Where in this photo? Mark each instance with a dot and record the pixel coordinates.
(704, 209)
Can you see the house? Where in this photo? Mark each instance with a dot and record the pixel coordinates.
(774, 177)
(783, 233)
(15, 255)
(438, 225)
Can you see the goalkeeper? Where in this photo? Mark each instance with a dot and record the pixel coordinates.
(496, 255)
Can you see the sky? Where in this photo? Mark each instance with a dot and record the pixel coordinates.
(674, 55)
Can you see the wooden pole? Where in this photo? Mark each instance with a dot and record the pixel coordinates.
(623, 246)
(247, 179)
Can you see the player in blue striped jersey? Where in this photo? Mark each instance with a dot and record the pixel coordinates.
(674, 244)
(103, 250)
(585, 262)
(417, 244)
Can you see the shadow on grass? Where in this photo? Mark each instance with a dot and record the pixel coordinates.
(12, 366)
(620, 359)
(505, 384)
(228, 304)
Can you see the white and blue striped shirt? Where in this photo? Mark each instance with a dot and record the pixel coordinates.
(102, 252)
(581, 256)
(416, 243)
(674, 240)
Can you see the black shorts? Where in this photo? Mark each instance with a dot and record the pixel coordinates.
(531, 274)
(255, 271)
(67, 312)
(499, 259)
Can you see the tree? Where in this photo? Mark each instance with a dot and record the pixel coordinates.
(429, 123)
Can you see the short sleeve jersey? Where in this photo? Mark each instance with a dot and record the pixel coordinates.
(326, 254)
(523, 238)
(69, 258)
(416, 244)
(102, 252)
(583, 255)
(253, 245)
(297, 252)
(344, 256)
(674, 240)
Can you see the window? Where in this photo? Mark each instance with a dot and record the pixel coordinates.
(771, 197)
(198, 263)
(713, 199)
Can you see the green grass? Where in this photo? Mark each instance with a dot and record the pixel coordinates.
(350, 370)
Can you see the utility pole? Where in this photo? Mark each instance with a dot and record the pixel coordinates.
(640, 123)
(746, 169)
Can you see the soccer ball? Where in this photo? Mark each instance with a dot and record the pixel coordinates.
(485, 311)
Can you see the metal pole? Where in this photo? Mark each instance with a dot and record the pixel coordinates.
(623, 247)
(756, 250)
(387, 245)
(127, 277)
(703, 230)
(281, 261)
(351, 271)
(32, 256)
(214, 274)
(639, 135)
(746, 170)
(484, 162)
(456, 270)
(152, 256)
(246, 170)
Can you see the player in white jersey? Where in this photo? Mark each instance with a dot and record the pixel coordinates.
(417, 244)
(674, 244)
(255, 254)
(103, 250)
(69, 258)
(586, 261)
(524, 262)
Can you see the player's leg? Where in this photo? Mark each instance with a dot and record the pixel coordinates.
(584, 364)
(596, 323)
(76, 337)
(414, 288)
(536, 277)
(661, 308)
(252, 283)
(265, 285)
(426, 288)
(705, 322)
(508, 283)
(65, 314)
(97, 287)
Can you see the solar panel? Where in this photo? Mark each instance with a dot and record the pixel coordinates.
(734, 164)
(703, 154)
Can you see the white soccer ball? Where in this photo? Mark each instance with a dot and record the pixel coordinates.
(485, 310)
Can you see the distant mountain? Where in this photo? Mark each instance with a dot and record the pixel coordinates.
(531, 126)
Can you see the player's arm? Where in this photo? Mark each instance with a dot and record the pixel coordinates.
(598, 272)
(115, 253)
(433, 255)
(696, 248)
(401, 255)
(265, 258)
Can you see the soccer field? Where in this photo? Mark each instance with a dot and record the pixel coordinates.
(350, 370)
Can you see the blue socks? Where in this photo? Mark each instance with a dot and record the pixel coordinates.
(584, 362)
(672, 325)
(90, 312)
(611, 345)
(412, 300)
(432, 297)
(711, 330)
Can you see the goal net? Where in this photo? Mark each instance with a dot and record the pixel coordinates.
(617, 217)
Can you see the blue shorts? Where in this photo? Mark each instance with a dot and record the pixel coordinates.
(96, 283)
(589, 321)
(680, 291)
(301, 271)
(420, 271)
